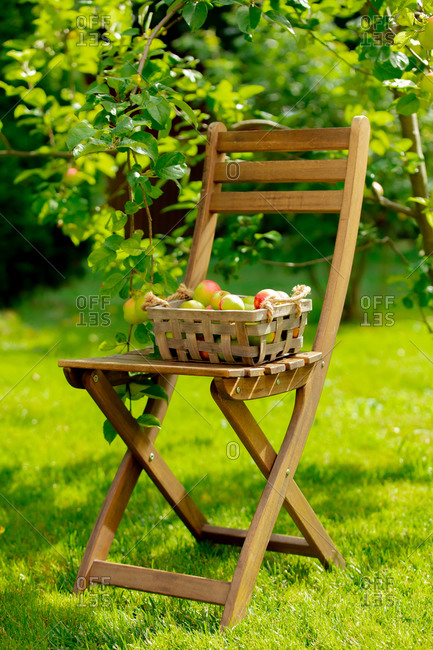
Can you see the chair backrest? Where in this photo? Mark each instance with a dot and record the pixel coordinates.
(346, 202)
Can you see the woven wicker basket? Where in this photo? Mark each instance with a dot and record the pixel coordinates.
(235, 337)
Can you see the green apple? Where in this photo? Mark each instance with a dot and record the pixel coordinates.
(205, 290)
(217, 297)
(255, 340)
(139, 309)
(230, 301)
(248, 300)
(192, 304)
(129, 313)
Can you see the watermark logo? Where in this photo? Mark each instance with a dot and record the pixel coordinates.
(377, 311)
(376, 31)
(91, 30)
(232, 450)
(378, 591)
(93, 594)
(92, 311)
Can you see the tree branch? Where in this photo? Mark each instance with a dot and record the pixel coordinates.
(391, 205)
(35, 154)
(6, 141)
(154, 34)
(328, 258)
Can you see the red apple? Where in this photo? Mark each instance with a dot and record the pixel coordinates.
(262, 295)
(205, 290)
(209, 307)
(217, 297)
(129, 312)
(204, 355)
(192, 304)
(230, 301)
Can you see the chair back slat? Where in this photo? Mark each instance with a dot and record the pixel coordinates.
(331, 139)
(346, 202)
(326, 201)
(281, 171)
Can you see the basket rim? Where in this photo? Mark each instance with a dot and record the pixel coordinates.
(225, 314)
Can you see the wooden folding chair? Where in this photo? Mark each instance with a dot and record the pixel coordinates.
(232, 385)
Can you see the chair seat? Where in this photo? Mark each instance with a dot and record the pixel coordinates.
(137, 361)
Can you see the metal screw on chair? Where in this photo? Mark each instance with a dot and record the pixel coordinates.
(95, 378)
(238, 389)
(287, 471)
(278, 382)
(323, 364)
(151, 456)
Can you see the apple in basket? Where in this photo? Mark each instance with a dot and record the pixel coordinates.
(261, 296)
(205, 290)
(217, 297)
(192, 304)
(231, 301)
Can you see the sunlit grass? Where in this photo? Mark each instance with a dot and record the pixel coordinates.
(366, 469)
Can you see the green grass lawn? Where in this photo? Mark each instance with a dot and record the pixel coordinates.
(367, 471)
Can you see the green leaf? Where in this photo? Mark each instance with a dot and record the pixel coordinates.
(160, 113)
(170, 165)
(118, 220)
(243, 20)
(142, 335)
(157, 392)
(194, 14)
(185, 109)
(143, 143)
(255, 13)
(36, 97)
(131, 246)
(98, 90)
(125, 126)
(101, 255)
(78, 133)
(148, 420)
(112, 280)
(109, 432)
(277, 17)
(131, 207)
(86, 149)
(113, 242)
(408, 104)
(109, 344)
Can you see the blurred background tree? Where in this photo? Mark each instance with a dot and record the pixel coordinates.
(298, 63)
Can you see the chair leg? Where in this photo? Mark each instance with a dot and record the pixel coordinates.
(144, 451)
(262, 452)
(264, 455)
(256, 542)
(109, 518)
